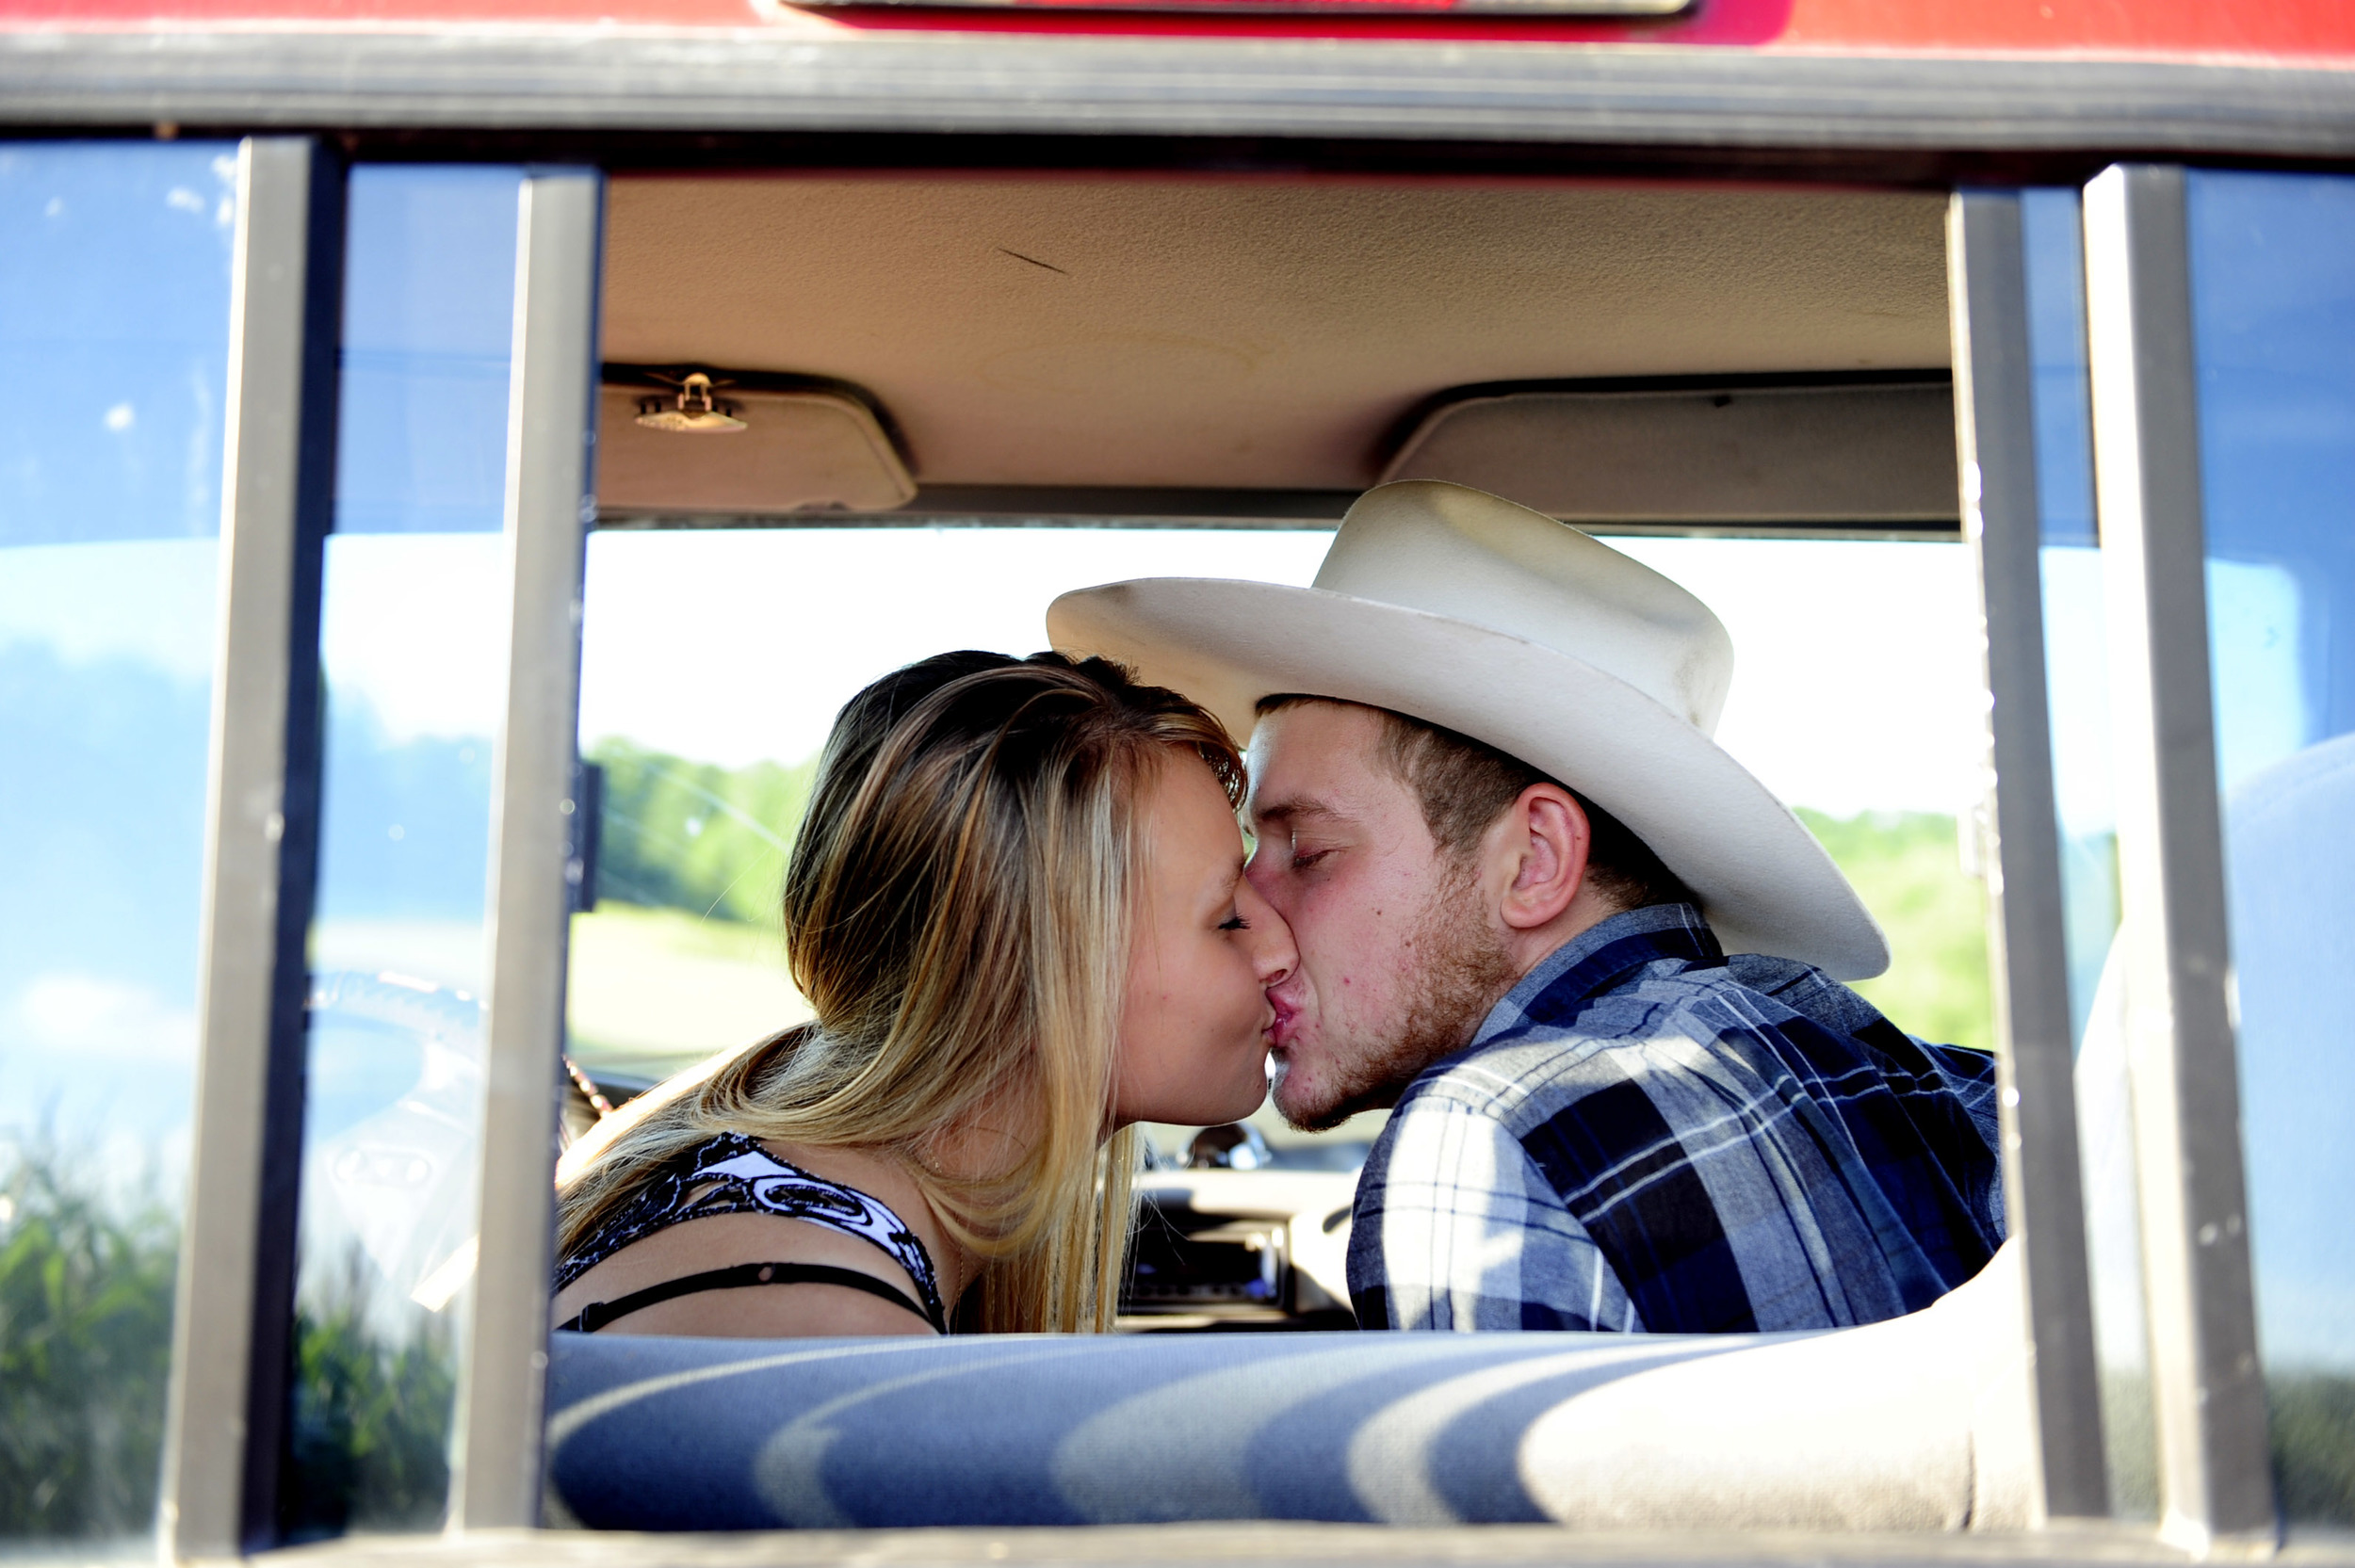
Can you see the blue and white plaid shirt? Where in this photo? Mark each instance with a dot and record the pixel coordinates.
(1648, 1136)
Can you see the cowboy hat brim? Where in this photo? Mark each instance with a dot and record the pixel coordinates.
(1764, 884)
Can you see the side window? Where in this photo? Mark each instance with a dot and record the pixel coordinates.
(710, 681)
(2076, 655)
(727, 620)
(411, 647)
(114, 325)
(2273, 309)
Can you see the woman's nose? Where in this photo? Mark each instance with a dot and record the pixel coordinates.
(1273, 954)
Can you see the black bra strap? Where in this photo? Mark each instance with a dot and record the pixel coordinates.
(596, 1314)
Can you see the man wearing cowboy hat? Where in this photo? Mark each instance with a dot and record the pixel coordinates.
(1487, 798)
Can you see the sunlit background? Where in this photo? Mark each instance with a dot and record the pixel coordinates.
(715, 661)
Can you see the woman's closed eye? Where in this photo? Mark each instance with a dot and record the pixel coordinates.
(1234, 923)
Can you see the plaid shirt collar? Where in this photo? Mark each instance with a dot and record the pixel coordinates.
(1596, 962)
(1649, 1133)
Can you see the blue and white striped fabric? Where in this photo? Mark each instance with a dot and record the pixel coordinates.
(1648, 1136)
(721, 1434)
(1917, 1424)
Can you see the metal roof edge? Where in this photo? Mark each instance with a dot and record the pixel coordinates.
(745, 81)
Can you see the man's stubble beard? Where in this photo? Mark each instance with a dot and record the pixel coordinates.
(1462, 970)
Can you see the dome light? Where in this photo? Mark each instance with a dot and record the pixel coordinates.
(695, 410)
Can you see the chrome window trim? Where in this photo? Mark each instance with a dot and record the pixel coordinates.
(2208, 1391)
(233, 1314)
(754, 80)
(550, 505)
(2027, 954)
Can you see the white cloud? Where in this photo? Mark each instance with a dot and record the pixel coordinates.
(83, 1016)
(416, 625)
(2076, 663)
(147, 600)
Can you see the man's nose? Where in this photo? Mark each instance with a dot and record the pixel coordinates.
(1273, 953)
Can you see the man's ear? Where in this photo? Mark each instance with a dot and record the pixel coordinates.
(1544, 845)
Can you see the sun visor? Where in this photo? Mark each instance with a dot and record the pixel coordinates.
(1853, 454)
(704, 445)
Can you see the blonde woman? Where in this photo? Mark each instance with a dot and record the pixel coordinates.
(1016, 908)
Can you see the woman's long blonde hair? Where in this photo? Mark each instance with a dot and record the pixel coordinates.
(957, 913)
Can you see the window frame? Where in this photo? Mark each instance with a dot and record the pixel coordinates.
(2216, 1484)
(234, 1308)
(2027, 954)
(235, 1287)
(535, 868)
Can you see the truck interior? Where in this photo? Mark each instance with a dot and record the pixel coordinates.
(794, 351)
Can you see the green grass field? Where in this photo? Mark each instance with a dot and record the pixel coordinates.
(654, 989)
(682, 956)
(1908, 871)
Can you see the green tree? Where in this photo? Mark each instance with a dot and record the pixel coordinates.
(2313, 1422)
(367, 1447)
(1906, 869)
(86, 1288)
(694, 837)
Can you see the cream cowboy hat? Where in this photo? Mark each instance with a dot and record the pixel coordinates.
(1463, 610)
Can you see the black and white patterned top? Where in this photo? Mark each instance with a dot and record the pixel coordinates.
(731, 1174)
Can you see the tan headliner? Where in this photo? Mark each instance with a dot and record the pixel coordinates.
(1256, 334)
